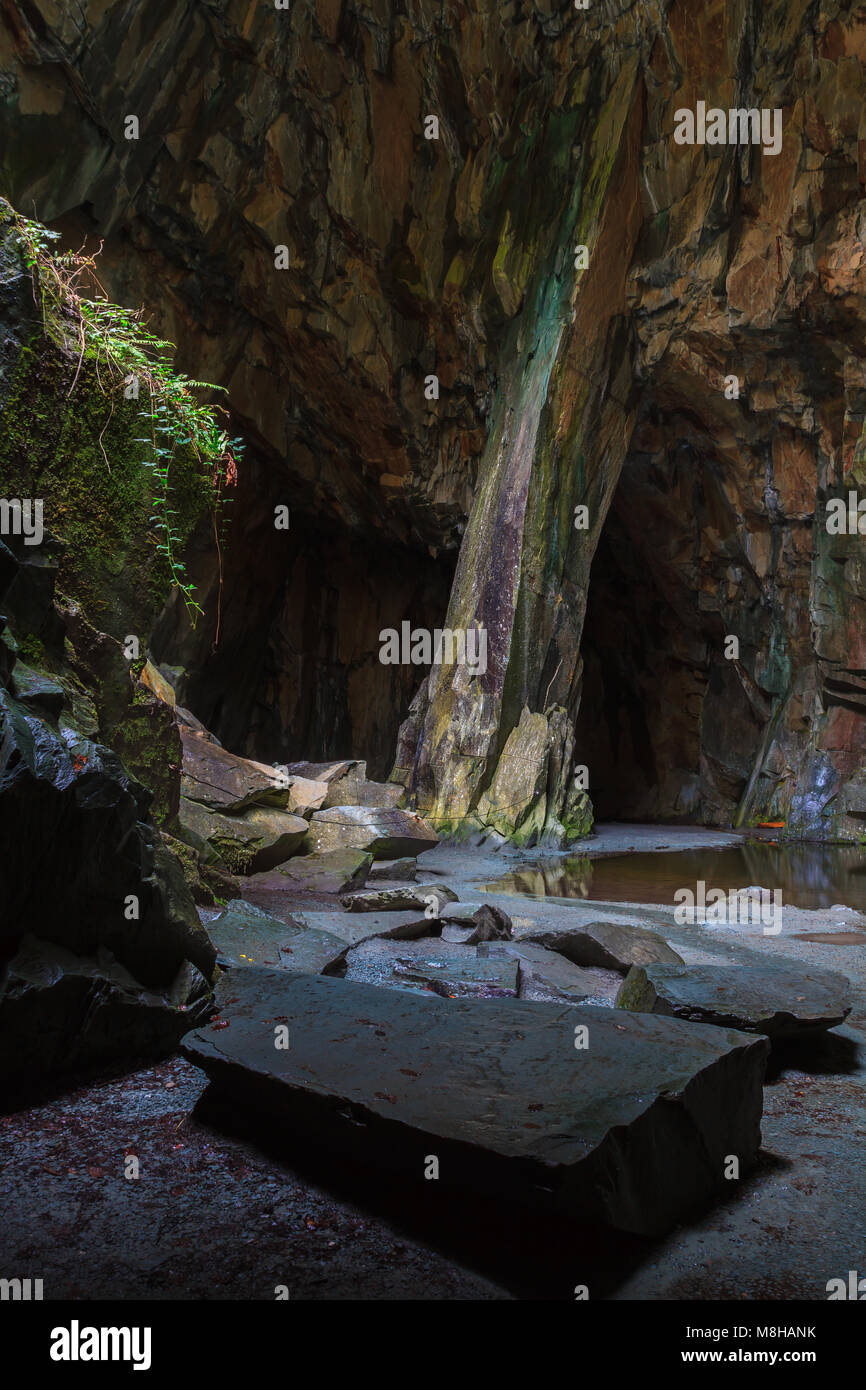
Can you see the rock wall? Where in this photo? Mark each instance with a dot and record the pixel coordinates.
(101, 950)
(561, 387)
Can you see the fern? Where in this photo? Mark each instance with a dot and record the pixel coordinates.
(124, 350)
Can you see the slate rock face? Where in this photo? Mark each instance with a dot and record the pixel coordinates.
(60, 1012)
(608, 945)
(701, 257)
(530, 800)
(776, 1000)
(223, 781)
(631, 1131)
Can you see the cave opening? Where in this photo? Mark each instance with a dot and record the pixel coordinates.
(668, 726)
(284, 665)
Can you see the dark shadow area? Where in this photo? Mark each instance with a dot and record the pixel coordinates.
(533, 1253)
(819, 1054)
(284, 664)
(668, 726)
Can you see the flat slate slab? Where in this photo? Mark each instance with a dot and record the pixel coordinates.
(631, 1130)
(432, 966)
(545, 974)
(245, 935)
(309, 942)
(777, 1000)
(608, 945)
(352, 928)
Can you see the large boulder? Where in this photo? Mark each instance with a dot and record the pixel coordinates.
(608, 945)
(61, 1012)
(225, 782)
(394, 871)
(633, 1130)
(385, 833)
(330, 772)
(471, 923)
(358, 791)
(306, 796)
(778, 1000)
(333, 871)
(250, 842)
(80, 866)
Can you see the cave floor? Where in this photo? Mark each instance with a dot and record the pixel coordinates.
(212, 1216)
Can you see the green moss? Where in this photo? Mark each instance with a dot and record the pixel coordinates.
(77, 450)
(32, 651)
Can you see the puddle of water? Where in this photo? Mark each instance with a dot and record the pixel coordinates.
(832, 938)
(811, 876)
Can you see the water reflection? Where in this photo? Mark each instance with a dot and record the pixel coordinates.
(808, 875)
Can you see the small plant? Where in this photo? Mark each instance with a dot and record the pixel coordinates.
(131, 358)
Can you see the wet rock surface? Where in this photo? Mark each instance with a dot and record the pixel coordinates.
(678, 1096)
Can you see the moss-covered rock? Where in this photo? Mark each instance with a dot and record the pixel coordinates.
(70, 439)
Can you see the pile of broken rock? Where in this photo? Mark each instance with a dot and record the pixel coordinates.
(587, 1070)
(582, 1067)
